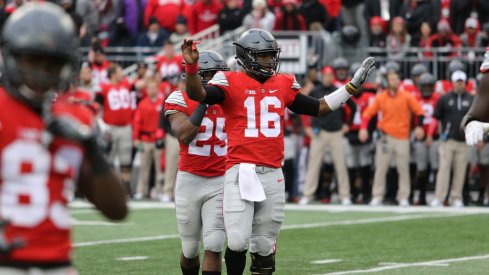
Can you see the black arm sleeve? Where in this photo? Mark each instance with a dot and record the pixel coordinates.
(213, 95)
(305, 105)
(353, 108)
(420, 121)
(99, 99)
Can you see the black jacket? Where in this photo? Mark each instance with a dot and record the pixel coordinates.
(313, 11)
(425, 11)
(230, 19)
(372, 8)
(333, 121)
(450, 111)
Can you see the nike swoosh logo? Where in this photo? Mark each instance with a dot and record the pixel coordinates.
(280, 180)
(273, 91)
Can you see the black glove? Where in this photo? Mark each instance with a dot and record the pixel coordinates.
(160, 143)
(5, 246)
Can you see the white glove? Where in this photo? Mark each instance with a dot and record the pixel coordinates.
(475, 131)
(362, 73)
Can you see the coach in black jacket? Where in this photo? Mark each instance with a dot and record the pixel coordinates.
(450, 111)
(327, 133)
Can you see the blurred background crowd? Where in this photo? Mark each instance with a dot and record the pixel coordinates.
(374, 150)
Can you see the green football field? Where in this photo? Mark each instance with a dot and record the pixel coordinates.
(315, 239)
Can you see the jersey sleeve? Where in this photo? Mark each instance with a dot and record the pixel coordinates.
(175, 103)
(220, 80)
(293, 89)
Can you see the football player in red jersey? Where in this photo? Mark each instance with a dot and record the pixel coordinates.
(476, 121)
(426, 151)
(358, 154)
(253, 104)
(411, 85)
(100, 65)
(45, 149)
(118, 105)
(169, 65)
(200, 178)
(341, 71)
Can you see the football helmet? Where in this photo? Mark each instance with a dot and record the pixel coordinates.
(252, 43)
(210, 62)
(40, 52)
(418, 69)
(427, 84)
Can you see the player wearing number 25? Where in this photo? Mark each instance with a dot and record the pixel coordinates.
(46, 150)
(253, 104)
(200, 177)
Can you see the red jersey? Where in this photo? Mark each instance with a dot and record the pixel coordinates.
(206, 154)
(169, 66)
(99, 72)
(362, 102)
(146, 119)
(429, 106)
(167, 12)
(409, 86)
(203, 15)
(119, 103)
(36, 181)
(255, 111)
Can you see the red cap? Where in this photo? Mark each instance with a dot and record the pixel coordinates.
(285, 2)
(376, 20)
(327, 69)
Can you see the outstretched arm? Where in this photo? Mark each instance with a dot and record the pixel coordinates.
(476, 121)
(319, 107)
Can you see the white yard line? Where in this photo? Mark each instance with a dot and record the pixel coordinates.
(370, 220)
(96, 223)
(134, 258)
(405, 265)
(136, 205)
(327, 261)
(285, 227)
(128, 240)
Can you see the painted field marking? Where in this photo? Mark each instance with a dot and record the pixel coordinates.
(326, 261)
(405, 265)
(285, 227)
(133, 258)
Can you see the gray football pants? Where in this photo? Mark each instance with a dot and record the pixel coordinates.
(198, 203)
(256, 223)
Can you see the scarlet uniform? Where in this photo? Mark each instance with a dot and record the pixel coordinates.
(256, 113)
(429, 105)
(206, 154)
(36, 180)
(146, 119)
(169, 66)
(99, 72)
(362, 102)
(119, 103)
(409, 86)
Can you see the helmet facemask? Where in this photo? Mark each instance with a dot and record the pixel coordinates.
(261, 68)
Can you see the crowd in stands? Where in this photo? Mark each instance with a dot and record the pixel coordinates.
(341, 153)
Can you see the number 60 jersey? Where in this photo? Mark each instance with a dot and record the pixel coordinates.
(206, 154)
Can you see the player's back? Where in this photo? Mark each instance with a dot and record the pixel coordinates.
(36, 179)
(205, 155)
(254, 115)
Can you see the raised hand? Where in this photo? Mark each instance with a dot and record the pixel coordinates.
(189, 51)
(475, 131)
(362, 73)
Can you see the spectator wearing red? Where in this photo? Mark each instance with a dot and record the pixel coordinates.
(415, 12)
(445, 10)
(333, 7)
(167, 12)
(420, 39)
(471, 37)
(99, 65)
(203, 14)
(377, 37)
(275, 5)
(169, 65)
(383, 9)
(290, 19)
(444, 40)
(145, 135)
